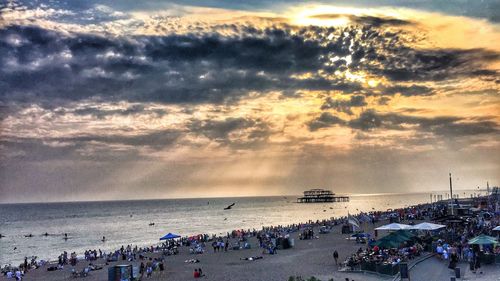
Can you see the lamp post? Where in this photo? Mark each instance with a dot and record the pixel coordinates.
(451, 196)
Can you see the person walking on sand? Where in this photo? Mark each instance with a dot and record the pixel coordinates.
(336, 257)
(141, 269)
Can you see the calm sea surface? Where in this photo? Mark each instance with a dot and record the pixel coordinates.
(127, 222)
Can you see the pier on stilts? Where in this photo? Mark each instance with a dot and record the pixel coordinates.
(321, 196)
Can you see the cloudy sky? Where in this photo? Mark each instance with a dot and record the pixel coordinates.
(151, 99)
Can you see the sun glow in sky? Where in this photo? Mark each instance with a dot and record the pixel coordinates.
(180, 99)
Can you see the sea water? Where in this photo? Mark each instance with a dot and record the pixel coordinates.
(127, 222)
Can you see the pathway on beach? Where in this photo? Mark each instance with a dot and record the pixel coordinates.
(434, 269)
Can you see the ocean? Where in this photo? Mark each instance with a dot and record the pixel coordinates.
(127, 222)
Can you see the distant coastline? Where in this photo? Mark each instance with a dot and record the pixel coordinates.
(458, 191)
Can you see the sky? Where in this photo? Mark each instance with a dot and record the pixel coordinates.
(111, 100)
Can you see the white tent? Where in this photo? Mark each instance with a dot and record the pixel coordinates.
(427, 226)
(393, 226)
(497, 228)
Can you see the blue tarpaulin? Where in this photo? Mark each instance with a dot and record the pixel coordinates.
(170, 236)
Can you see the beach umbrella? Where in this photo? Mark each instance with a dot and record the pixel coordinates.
(398, 237)
(394, 226)
(427, 226)
(169, 236)
(483, 240)
(405, 233)
(392, 240)
(386, 243)
(497, 228)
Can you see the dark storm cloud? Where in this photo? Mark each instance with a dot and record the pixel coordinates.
(121, 144)
(275, 51)
(458, 129)
(367, 120)
(250, 131)
(103, 147)
(407, 64)
(441, 125)
(155, 139)
(325, 120)
(31, 149)
(342, 105)
(7, 110)
(445, 126)
(408, 91)
(366, 20)
(210, 67)
(171, 69)
(384, 100)
(101, 113)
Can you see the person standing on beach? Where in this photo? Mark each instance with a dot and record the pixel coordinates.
(214, 245)
(336, 257)
(142, 268)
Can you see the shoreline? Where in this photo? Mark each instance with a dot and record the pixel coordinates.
(237, 219)
(219, 232)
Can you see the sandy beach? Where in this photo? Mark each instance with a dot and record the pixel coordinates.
(308, 258)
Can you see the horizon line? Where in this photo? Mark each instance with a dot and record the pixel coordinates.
(221, 197)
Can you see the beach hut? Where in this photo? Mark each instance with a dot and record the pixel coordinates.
(427, 226)
(170, 236)
(483, 240)
(394, 226)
